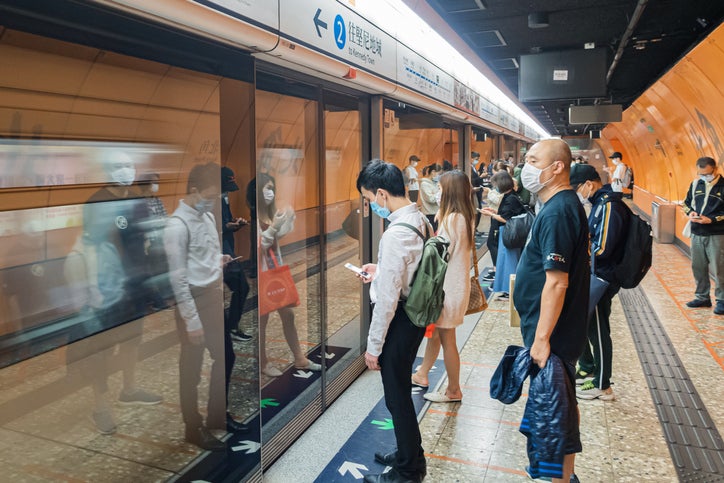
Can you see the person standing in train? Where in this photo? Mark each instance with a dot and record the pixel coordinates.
(411, 179)
(477, 181)
(196, 267)
(393, 340)
(430, 192)
(456, 217)
(704, 206)
(553, 277)
(608, 223)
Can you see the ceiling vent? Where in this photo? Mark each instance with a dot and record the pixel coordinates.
(505, 64)
(538, 20)
(463, 6)
(486, 38)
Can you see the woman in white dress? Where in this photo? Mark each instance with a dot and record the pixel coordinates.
(455, 217)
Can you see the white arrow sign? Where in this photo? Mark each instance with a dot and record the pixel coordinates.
(416, 390)
(327, 355)
(303, 374)
(249, 446)
(352, 468)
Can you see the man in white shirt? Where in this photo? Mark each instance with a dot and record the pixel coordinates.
(618, 173)
(411, 179)
(393, 340)
(196, 266)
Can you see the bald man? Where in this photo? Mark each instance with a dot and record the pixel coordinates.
(551, 296)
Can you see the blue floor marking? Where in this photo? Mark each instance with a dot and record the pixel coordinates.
(356, 458)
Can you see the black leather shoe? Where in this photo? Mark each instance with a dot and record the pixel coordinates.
(390, 477)
(234, 426)
(699, 303)
(386, 459)
(202, 438)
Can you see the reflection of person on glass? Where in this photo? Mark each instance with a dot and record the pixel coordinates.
(196, 265)
(108, 265)
(234, 276)
(274, 224)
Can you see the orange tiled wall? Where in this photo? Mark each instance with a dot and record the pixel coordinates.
(677, 120)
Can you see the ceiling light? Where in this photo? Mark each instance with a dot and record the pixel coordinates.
(538, 20)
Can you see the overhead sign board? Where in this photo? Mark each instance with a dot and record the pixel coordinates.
(416, 72)
(335, 29)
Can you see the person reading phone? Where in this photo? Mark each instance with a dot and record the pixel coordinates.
(393, 340)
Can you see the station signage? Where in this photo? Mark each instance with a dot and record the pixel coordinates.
(416, 72)
(331, 27)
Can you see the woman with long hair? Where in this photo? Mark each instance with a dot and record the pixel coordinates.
(274, 224)
(455, 218)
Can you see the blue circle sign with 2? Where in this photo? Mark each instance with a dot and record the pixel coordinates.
(340, 32)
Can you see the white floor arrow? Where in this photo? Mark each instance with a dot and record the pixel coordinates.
(303, 374)
(327, 355)
(249, 446)
(353, 469)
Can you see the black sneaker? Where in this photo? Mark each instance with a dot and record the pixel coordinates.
(700, 303)
(240, 336)
(490, 276)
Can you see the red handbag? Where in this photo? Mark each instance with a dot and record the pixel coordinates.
(276, 287)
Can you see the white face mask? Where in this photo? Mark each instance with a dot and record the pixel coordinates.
(707, 177)
(268, 195)
(530, 176)
(616, 162)
(154, 187)
(124, 176)
(204, 205)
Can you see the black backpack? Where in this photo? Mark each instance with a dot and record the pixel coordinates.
(637, 252)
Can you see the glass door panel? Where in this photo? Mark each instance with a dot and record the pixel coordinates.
(287, 204)
(343, 156)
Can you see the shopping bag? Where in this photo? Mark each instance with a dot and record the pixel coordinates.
(276, 287)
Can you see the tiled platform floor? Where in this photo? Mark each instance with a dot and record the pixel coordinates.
(478, 440)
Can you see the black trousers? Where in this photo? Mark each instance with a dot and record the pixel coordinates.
(600, 360)
(218, 342)
(235, 279)
(398, 355)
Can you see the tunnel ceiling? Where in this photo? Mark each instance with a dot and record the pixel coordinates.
(498, 31)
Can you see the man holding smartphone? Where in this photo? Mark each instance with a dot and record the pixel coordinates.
(704, 205)
(393, 340)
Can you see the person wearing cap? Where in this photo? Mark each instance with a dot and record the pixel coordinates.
(607, 224)
(234, 277)
(704, 206)
(618, 173)
(413, 187)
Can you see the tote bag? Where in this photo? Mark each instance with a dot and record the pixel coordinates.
(276, 287)
(476, 302)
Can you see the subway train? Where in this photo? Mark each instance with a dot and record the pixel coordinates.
(119, 116)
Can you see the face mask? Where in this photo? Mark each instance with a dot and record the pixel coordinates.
(436, 178)
(268, 195)
(530, 176)
(154, 188)
(475, 162)
(382, 212)
(204, 205)
(616, 162)
(581, 198)
(438, 197)
(124, 176)
(707, 177)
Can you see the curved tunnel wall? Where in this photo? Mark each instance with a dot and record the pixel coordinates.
(677, 120)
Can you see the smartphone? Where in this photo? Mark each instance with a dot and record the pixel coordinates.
(357, 270)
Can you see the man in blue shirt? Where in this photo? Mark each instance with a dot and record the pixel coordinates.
(552, 280)
(608, 224)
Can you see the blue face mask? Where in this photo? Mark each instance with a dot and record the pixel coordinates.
(380, 211)
(436, 178)
(204, 205)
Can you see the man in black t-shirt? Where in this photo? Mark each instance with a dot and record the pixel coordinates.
(553, 276)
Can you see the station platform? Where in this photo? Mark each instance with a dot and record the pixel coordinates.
(668, 374)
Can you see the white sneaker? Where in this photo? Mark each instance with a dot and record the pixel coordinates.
(588, 391)
(310, 366)
(271, 371)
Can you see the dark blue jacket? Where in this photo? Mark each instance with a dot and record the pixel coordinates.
(608, 224)
(550, 420)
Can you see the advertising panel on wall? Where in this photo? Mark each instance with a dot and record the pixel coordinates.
(466, 98)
